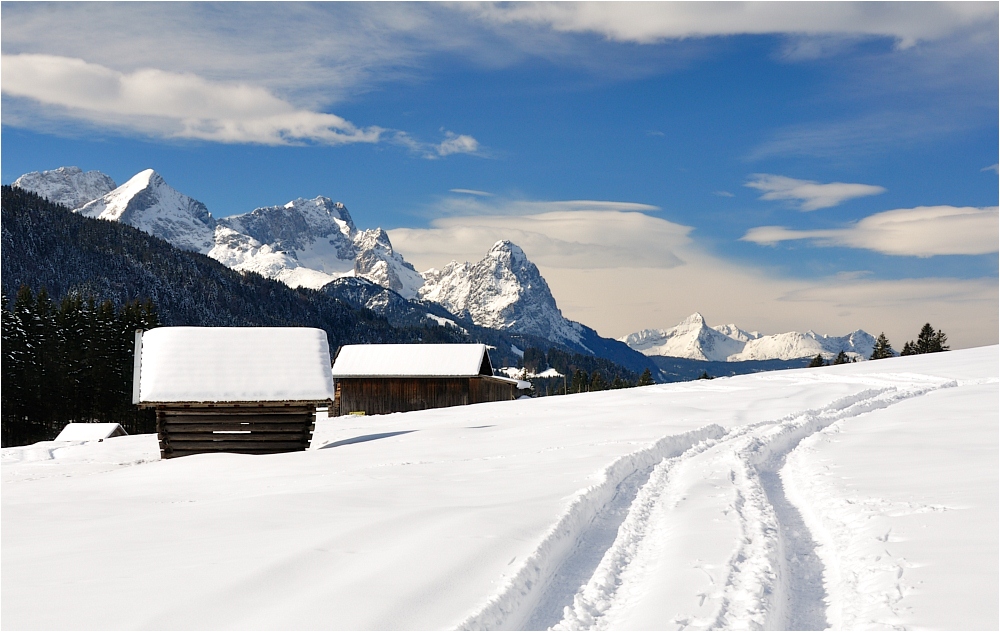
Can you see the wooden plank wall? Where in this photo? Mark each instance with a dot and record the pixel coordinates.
(246, 430)
(381, 396)
(486, 390)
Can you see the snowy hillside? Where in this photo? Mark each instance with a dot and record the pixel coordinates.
(505, 291)
(854, 497)
(695, 340)
(69, 186)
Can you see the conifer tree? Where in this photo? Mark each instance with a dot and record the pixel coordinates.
(842, 358)
(597, 382)
(817, 361)
(705, 376)
(908, 349)
(646, 379)
(882, 348)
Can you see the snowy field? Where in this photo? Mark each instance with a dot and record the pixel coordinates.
(854, 496)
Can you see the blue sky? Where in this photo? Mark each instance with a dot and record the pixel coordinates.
(783, 166)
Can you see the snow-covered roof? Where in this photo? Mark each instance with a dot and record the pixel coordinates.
(446, 360)
(234, 364)
(89, 432)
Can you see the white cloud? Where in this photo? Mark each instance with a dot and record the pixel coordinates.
(811, 194)
(457, 144)
(923, 231)
(995, 168)
(452, 144)
(183, 105)
(621, 271)
(650, 22)
(169, 104)
(472, 192)
(557, 239)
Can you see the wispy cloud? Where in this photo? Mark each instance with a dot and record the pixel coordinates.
(185, 106)
(923, 231)
(723, 194)
(995, 168)
(472, 192)
(484, 205)
(650, 22)
(452, 144)
(810, 195)
(173, 105)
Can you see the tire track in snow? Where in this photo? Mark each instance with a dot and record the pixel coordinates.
(775, 578)
(565, 559)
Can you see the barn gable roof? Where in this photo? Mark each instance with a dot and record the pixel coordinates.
(417, 360)
(233, 364)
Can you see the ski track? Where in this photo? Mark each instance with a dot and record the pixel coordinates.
(574, 579)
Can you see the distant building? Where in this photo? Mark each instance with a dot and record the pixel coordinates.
(381, 379)
(252, 390)
(90, 432)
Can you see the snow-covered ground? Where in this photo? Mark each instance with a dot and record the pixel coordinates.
(855, 496)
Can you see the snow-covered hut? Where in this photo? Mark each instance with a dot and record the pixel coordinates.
(253, 390)
(90, 431)
(381, 379)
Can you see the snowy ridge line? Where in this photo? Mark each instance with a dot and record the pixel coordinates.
(513, 605)
(755, 564)
(776, 578)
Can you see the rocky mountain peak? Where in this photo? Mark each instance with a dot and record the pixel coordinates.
(69, 186)
(148, 203)
(504, 290)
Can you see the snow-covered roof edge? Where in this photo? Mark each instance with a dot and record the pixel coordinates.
(234, 365)
(413, 360)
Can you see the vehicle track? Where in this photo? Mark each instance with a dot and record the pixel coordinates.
(775, 579)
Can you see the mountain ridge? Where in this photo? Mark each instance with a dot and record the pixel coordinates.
(693, 339)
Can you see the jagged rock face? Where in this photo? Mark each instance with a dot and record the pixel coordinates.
(693, 339)
(150, 204)
(502, 291)
(736, 333)
(376, 260)
(68, 186)
(296, 225)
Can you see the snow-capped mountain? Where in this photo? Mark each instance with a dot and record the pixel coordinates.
(692, 338)
(505, 291)
(311, 243)
(302, 243)
(314, 242)
(69, 186)
(151, 205)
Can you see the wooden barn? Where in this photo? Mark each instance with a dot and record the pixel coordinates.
(381, 379)
(252, 390)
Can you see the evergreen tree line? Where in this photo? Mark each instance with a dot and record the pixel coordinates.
(580, 373)
(70, 362)
(928, 340)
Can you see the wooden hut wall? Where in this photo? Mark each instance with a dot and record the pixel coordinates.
(486, 390)
(249, 429)
(381, 396)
